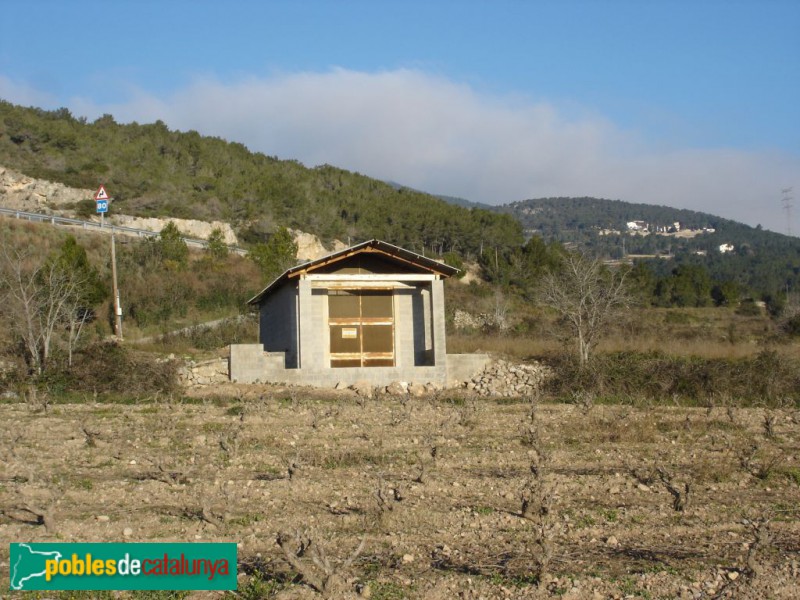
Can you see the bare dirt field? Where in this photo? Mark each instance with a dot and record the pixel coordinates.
(452, 497)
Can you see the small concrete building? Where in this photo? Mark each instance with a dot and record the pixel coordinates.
(372, 313)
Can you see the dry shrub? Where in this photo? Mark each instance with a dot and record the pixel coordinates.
(235, 330)
(109, 367)
(768, 377)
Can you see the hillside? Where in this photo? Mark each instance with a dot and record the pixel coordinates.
(152, 171)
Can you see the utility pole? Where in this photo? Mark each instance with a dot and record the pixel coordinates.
(115, 289)
(786, 200)
(102, 199)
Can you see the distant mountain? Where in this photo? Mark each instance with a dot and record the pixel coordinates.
(466, 203)
(463, 202)
(581, 219)
(762, 261)
(548, 216)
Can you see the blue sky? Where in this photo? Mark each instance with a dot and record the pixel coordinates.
(692, 104)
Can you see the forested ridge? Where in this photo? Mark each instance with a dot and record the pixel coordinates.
(154, 171)
(551, 216)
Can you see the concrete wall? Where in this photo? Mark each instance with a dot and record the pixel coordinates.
(247, 362)
(437, 323)
(277, 324)
(313, 324)
(463, 367)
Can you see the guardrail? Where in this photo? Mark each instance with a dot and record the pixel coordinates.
(103, 228)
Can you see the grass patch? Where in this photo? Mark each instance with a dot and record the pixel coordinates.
(517, 581)
(235, 411)
(386, 590)
(630, 589)
(610, 515)
(212, 427)
(258, 587)
(245, 520)
(345, 459)
(790, 473)
(585, 521)
(285, 402)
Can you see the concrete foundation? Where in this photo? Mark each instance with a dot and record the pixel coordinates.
(251, 364)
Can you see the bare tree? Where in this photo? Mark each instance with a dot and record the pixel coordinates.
(76, 315)
(500, 310)
(37, 298)
(586, 295)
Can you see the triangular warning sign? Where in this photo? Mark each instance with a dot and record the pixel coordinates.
(101, 194)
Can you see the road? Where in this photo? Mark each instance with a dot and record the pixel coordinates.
(102, 228)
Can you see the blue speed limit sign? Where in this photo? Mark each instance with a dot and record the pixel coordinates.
(102, 206)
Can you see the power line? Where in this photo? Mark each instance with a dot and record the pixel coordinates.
(786, 200)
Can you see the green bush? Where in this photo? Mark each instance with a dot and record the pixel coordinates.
(85, 209)
(454, 260)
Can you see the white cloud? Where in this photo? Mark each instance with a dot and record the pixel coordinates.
(444, 137)
(24, 94)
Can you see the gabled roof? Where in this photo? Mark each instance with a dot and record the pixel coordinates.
(390, 251)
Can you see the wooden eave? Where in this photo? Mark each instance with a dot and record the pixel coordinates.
(333, 259)
(394, 253)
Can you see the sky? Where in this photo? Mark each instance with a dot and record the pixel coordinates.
(686, 103)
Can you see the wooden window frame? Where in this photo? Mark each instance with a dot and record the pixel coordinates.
(360, 323)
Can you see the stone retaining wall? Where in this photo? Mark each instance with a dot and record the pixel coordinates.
(206, 372)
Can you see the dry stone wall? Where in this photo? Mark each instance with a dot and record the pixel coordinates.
(466, 320)
(208, 372)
